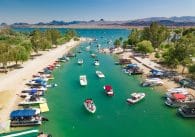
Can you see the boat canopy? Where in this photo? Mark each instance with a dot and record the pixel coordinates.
(23, 113)
(108, 87)
(39, 80)
(156, 72)
(33, 91)
(179, 96)
(131, 65)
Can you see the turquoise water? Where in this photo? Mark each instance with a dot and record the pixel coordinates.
(113, 117)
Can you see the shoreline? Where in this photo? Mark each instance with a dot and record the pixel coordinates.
(14, 82)
(168, 84)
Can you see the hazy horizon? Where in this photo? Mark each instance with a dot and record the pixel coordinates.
(33, 11)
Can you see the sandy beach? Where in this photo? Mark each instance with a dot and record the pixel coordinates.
(13, 82)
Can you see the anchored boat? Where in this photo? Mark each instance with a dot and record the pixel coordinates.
(187, 111)
(83, 80)
(32, 100)
(96, 62)
(80, 61)
(89, 105)
(93, 55)
(135, 97)
(100, 74)
(108, 89)
(25, 117)
(87, 48)
(152, 82)
(28, 90)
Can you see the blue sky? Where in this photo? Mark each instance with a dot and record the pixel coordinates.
(31, 11)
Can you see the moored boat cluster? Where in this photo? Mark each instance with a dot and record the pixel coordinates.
(33, 103)
(181, 99)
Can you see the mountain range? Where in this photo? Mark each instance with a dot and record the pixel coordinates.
(171, 21)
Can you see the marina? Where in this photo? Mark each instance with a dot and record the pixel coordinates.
(68, 117)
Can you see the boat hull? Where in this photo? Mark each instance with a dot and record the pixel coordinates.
(25, 124)
(90, 110)
(133, 101)
(83, 80)
(182, 113)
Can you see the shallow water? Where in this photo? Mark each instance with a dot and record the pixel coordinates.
(113, 117)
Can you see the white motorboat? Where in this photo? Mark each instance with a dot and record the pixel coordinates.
(135, 97)
(96, 62)
(153, 82)
(93, 55)
(83, 80)
(30, 89)
(89, 105)
(100, 74)
(58, 65)
(40, 78)
(87, 48)
(80, 61)
(108, 89)
(32, 100)
(43, 75)
(36, 93)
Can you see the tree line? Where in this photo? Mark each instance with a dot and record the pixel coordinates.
(18, 46)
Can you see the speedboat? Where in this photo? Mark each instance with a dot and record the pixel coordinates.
(32, 100)
(25, 117)
(31, 89)
(83, 80)
(38, 82)
(89, 105)
(87, 48)
(93, 55)
(96, 62)
(80, 61)
(32, 92)
(43, 75)
(135, 97)
(187, 111)
(100, 74)
(40, 78)
(108, 89)
(152, 82)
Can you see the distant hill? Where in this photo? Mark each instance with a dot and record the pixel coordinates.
(172, 21)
